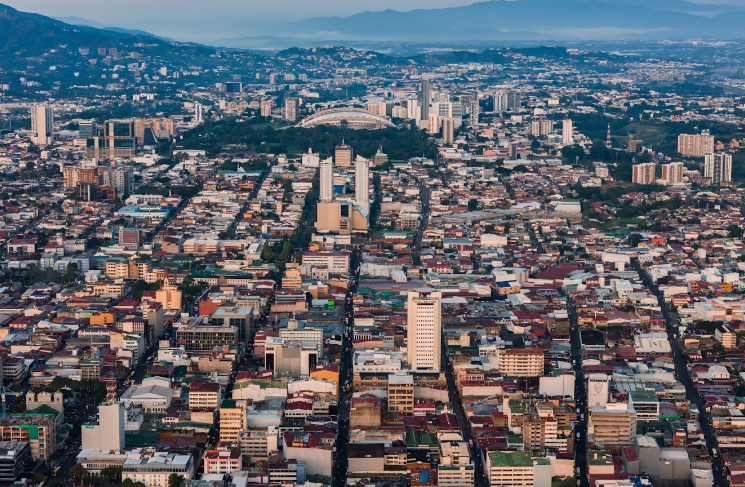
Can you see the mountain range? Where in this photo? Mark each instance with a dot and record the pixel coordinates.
(531, 20)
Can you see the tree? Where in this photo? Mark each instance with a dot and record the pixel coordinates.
(634, 239)
(175, 480)
(473, 204)
(735, 231)
(138, 484)
(78, 471)
(126, 483)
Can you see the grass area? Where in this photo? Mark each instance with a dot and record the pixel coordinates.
(649, 134)
(733, 90)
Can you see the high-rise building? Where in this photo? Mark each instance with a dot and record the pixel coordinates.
(447, 130)
(541, 128)
(413, 110)
(118, 140)
(643, 173)
(42, 130)
(119, 178)
(471, 104)
(198, 113)
(434, 123)
(362, 184)
(87, 129)
(597, 390)
(291, 109)
(566, 132)
(326, 180)
(718, 168)
(108, 432)
(424, 99)
(672, 173)
(424, 330)
(343, 155)
(696, 145)
(506, 100)
(613, 422)
(401, 393)
(266, 108)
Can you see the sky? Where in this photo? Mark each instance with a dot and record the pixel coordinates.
(207, 20)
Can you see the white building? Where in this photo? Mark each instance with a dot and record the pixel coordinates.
(154, 469)
(154, 394)
(424, 330)
(672, 173)
(108, 433)
(566, 132)
(42, 130)
(362, 184)
(336, 262)
(310, 159)
(326, 194)
(643, 173)
(718, 168)
(597, 390)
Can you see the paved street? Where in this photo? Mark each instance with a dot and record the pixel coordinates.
(684, 377)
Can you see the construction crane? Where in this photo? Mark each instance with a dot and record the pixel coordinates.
(4, 392)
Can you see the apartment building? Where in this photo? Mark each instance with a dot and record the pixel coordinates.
(520, 362)
(401, 393)
(613, 423)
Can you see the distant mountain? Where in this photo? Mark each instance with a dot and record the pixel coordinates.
(24, 35)
(72, 20)
(532, 20)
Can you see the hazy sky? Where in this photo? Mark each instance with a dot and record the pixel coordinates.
(202, 20)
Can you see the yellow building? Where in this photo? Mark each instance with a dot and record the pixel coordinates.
(103, 318)
(328, 373)
(168, 296)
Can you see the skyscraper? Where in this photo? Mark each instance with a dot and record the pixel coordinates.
(362, 184)
(718, 168)
(424, 330)
(424, 97)
(447, 130)
(42, 131)
(291, 108)
(327, 181)
(413, 111)
(198, 113)
(566, 132)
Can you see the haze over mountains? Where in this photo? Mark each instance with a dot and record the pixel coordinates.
(496, 20)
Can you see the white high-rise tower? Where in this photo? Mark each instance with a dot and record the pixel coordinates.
(597, 390)
(424, 330)
(42, 131)
(327, 181)
(198, 113)
(362, 184)
(566, 132)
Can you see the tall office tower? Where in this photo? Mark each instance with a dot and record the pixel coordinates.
(434, 123)
(447, 130)
(266, 108)
(718, 168)
(108, 431)
(698, 145)
(456, 113)
(362, 184)
(424, 330)
(87, 129)
(566, 132)
(118, 140)
(42, 131)
(424, 98)
(198, 113)
(343, 155)
(540, 128)
(413, 110)
(120, 178)
(291, 108)
(643, 173)
(597, 390)
(672, 173)
(327, 180)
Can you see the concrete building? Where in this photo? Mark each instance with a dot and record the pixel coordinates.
(292, 105)
(455, 468)
(695, 145)
(447, 130)
(424, 330)
(258, 444)
(401, 393)
(597, 390)
(108, 432)
(37, 428)
(336, 262)
(341, 218)
(154, 469)
(326, 194)
(612, 423)
(289, 358)
(343, 155)
(297, 331)
(154, 394)
(204, 395)
(566, 133)
(520, 362)
(313, 449)
(726, 336)
(130, 238)
(718, 168)
(234, 316)
(195, 334)
(643, 173)
(42, 125)
(511, 469)
(362, 184)
(424, 98)
(662, 463)
(222, 461)
(232, 419)
(15, 459)
(672, 173)
(646, 404)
